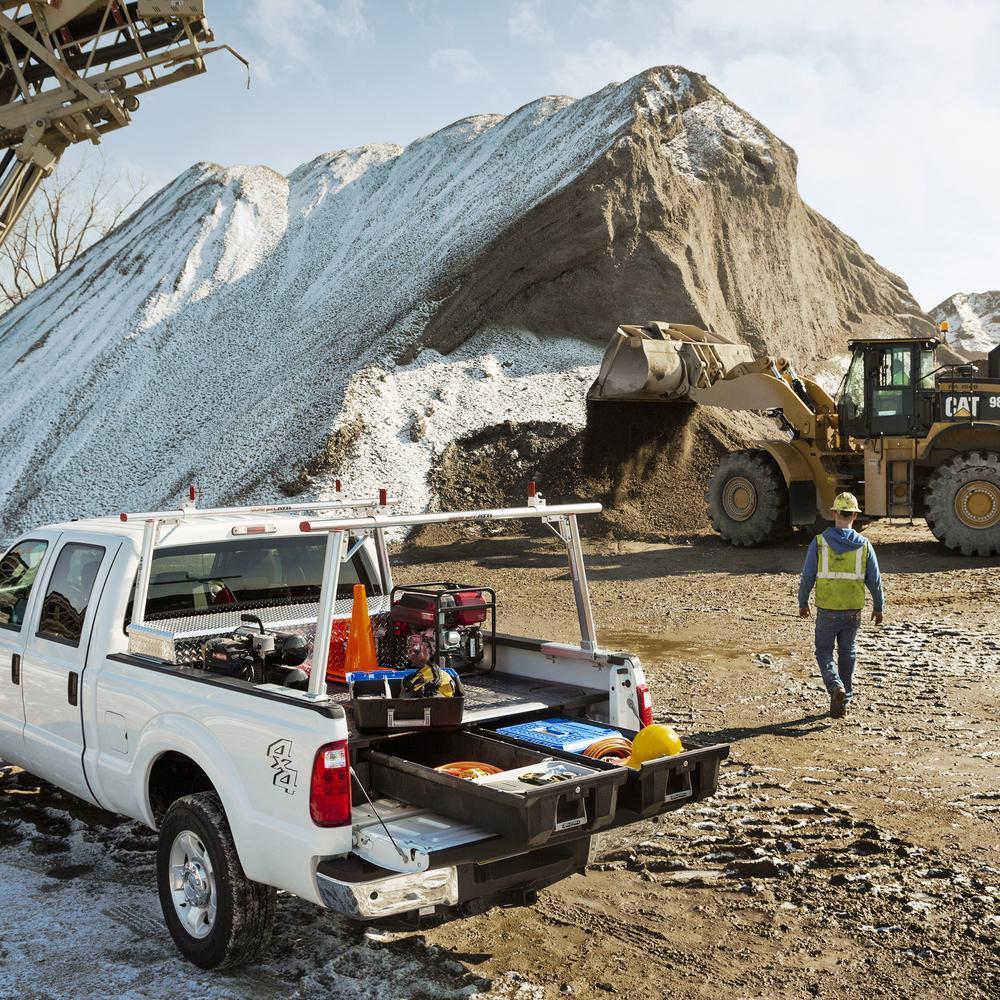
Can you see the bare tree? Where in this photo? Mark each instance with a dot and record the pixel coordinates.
(70, 211)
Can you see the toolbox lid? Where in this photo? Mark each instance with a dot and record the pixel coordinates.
(569, 735)
(387, 675)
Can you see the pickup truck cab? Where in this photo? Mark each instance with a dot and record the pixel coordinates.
(260, 780)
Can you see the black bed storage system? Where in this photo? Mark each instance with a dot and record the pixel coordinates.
(373, 713)
(660, 785)
(403, 768)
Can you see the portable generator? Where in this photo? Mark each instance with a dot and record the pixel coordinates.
(442, 624)
(259, 656)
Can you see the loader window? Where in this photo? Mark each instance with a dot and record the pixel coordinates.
(852, 398)
(928, 366)
(894, 367)
(891, 397)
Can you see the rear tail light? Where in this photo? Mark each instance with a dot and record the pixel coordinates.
(645, 704)
(330, 789)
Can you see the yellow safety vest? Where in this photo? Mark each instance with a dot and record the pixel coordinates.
(840, 577)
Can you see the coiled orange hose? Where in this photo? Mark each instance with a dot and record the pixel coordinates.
(613, 749)
(468, 769)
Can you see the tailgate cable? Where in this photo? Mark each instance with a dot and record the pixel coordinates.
(401, 852)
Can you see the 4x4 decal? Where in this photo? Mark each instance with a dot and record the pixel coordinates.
(285, 776)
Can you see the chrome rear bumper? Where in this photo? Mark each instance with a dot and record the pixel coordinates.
(390, 894)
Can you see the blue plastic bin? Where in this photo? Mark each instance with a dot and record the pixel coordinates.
(569, 735)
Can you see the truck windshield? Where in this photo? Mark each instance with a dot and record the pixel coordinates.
(243, 573)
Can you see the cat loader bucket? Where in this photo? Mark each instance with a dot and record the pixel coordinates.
(664, 362)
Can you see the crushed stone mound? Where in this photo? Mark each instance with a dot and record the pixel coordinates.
(648, 463)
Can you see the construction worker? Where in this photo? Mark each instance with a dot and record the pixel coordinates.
(840, 563)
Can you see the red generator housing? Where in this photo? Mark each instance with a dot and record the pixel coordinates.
(441, 623)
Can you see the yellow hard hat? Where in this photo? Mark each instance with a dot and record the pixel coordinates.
(846, 503)
(652, 742)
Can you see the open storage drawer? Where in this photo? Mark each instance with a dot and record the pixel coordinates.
(660, 785)
(403, 768)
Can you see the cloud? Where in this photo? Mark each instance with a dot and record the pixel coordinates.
(463, 66)
(527, 23)
(296, 30)
(600, 63)
(349, 21)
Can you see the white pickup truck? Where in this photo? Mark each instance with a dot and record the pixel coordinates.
(259, 779)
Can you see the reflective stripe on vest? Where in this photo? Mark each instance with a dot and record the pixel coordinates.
(840, 577)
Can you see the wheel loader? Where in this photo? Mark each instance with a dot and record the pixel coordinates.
(913, 435)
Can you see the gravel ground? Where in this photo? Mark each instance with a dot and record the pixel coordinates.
(842, 858)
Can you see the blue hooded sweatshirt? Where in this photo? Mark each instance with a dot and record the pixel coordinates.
(842, 540)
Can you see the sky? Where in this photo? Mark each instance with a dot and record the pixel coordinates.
(893, 106)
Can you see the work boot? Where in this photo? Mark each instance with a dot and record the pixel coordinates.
(838, 701)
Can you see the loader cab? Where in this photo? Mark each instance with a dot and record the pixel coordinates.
(889, 388)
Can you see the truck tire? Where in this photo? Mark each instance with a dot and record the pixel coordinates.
(217, 917)
(748, 499)
(963, 503)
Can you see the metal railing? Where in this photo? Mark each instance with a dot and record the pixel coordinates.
(153, 519)
(561, 518)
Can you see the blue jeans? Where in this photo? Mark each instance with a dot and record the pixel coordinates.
(840, 627)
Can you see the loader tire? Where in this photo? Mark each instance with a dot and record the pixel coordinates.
(748, 499)
(963, 503)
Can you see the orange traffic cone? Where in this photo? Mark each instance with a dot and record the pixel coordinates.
(361, 653)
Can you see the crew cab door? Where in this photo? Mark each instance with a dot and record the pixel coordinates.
(55, 657)
(19, 569)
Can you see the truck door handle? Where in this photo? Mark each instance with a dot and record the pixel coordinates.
(15, 668)
(73, 688)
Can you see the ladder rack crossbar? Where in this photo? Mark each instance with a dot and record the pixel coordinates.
(193, 513)
(449, 517)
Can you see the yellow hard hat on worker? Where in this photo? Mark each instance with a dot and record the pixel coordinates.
(846, 503)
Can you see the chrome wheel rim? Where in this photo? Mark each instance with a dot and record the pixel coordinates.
(977, 504)
(739, 498)
(192, 884)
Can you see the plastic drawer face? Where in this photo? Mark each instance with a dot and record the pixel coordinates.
(660, 785)
(529, 814)
(375, 713)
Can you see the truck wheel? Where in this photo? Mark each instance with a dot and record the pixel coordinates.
(748, 499)
(963, 503)
(217, 917)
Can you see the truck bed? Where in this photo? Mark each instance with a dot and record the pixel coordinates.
(490, 696)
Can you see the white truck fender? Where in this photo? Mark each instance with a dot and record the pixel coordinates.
(177, 733)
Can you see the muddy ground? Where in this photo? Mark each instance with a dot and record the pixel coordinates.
(841, 858)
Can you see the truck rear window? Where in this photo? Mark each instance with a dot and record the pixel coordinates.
(244, 573)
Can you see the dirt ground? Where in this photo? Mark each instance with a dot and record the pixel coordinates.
(841, 858)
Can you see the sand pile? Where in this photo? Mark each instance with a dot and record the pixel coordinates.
(648, 464)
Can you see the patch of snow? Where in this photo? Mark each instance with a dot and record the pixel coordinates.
(973, 318)
(830, 373)
(496, 376)
(705, 129)
(664, 88)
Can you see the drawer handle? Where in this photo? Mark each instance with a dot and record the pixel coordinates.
(393, 723)
(15, 668)
(569, 824)
(684, 793)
